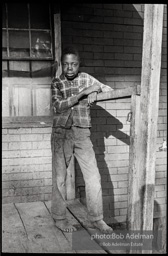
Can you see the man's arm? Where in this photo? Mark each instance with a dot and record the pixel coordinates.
(60, 105)
(101, 88)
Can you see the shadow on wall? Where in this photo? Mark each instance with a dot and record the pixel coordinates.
(97, 138)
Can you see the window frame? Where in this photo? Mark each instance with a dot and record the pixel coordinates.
(29, 30)
(37, 121)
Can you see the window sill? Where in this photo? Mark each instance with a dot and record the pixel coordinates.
(26, 122)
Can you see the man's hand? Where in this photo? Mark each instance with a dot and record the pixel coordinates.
(90, 89)
(87, 91)
(92, 98)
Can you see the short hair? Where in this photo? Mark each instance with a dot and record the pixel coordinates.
(70, 50)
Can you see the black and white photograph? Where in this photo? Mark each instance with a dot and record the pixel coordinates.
(84, 127)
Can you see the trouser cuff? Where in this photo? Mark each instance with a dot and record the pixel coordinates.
(95, 218)
(58, 217)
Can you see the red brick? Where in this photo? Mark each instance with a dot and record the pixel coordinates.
(123, 170)
(160, 181)
(161, 194)
(118, 177)
(123, 56)
(123, 184)
(123, 211)
(4, 131)
(9, 138)
(20, 131)
(117, 163)
(120, 205)
(113, 49)
(31, 137)
(10, 154)
(159, 187)
(4, 146)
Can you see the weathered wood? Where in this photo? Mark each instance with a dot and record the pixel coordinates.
(121, 93)
(134, 197)
(57, 33)
(10, 81)
(42, 233)
(70, 180)
(143, 147)
(14, 237)
(73, 221)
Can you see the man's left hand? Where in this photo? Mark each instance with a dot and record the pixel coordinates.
(92, 98)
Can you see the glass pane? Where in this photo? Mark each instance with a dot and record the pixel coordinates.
(19, 65)
(4, 68)
(4, 16)
(4, 44)
(17, 15)
(41, 44)
(19, 44)
(4, 65)
(39, 16)
(19, 69)
(38, 65)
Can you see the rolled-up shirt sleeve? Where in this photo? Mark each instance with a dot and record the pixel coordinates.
(59, 104)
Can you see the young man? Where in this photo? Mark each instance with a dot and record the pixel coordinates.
(72, 95)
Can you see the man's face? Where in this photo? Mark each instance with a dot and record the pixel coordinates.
(70, 66)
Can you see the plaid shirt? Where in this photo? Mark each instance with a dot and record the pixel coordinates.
(68, 110)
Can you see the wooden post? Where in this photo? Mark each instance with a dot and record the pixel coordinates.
(144, 125)
(57, 32)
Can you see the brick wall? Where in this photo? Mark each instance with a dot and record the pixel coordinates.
(26, 164)
(109, 38)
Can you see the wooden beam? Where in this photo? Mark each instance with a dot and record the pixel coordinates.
(57, 32)
(144, 125)
(121, 93)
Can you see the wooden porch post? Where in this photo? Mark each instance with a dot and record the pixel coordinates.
(57, 33)
(144, 125)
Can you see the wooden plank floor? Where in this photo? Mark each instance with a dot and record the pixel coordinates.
(29, 228)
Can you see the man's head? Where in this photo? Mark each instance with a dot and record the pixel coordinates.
(70, 62)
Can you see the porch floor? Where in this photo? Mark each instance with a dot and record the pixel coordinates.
(29, 228)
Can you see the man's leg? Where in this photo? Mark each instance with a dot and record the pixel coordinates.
(58, 204)
(86, 157)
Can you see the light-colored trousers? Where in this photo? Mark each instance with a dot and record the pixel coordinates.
(64, 143)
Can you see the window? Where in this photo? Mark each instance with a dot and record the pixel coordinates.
(27, 31)
(27, 46)
(26, 38)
